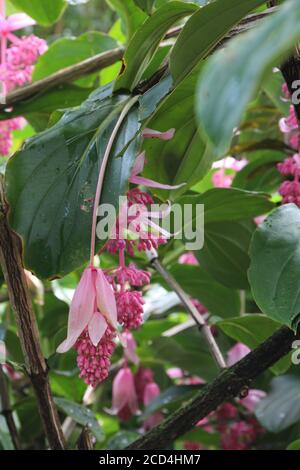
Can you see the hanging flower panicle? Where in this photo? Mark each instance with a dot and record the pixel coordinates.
(104, 299)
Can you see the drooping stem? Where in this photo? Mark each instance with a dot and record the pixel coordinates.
(227, 385)
(101, 176)
(190, 307)
(6, 411)
(35, 363)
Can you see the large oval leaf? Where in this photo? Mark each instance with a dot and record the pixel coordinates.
(146, 40)
(274, 272)
(51, 182)
(204, 30)
(224, 91)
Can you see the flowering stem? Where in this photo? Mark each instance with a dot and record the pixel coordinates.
(101, 176)
(190, 307)
(227, 385)
(35, 363)
(6, 411)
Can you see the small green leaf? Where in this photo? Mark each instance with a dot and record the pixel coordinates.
(132, 17)
(204, 30)
(275, 265)
(45, 12)
(224, 91)
(146, 41)
(253, 330)
(82, 415)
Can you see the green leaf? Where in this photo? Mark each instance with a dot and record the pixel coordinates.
(187, 350)
(224, 91)
(275, 265)
(253, 330)
(122, 439)
(261, 174)
(44, 12)
(68, 51)
(204, 30)
(186, 158)
(199, 284)
(42, 105)
(132, 17)
(51, 182)
(146, 41)
(145, 5)
(5, 438)
(68, 386)
(281, 408)
(294, 445)
(82, 415)
(199, 435)
(225, 252)
(229, 204)
(175, 394)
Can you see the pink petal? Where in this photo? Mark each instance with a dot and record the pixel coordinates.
(97, 328)
(151, 392)
(81, 309)
(237, 353)
(283, 126)
(153, 184)
(130, 347)
(19, 21)
(253, 399)
(138, 164)
(123, 391)
(106, 301)
(151, 133)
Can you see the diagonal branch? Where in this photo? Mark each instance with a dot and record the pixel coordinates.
(36, 366)
(190, 307)
(105, 59)
(228, 384)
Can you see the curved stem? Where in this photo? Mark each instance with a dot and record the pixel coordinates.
(101, 176)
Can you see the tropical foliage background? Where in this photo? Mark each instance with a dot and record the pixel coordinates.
(220, 74)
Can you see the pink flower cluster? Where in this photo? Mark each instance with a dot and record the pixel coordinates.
(290, 167)
(18, 55)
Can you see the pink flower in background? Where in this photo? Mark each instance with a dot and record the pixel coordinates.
(124, 397)
(151, 133)
(151, 392)
(142, 378)
(236, 353)
(188, 258)
(220, 178)
(130, 348)
(252, 399)
(18, 55)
